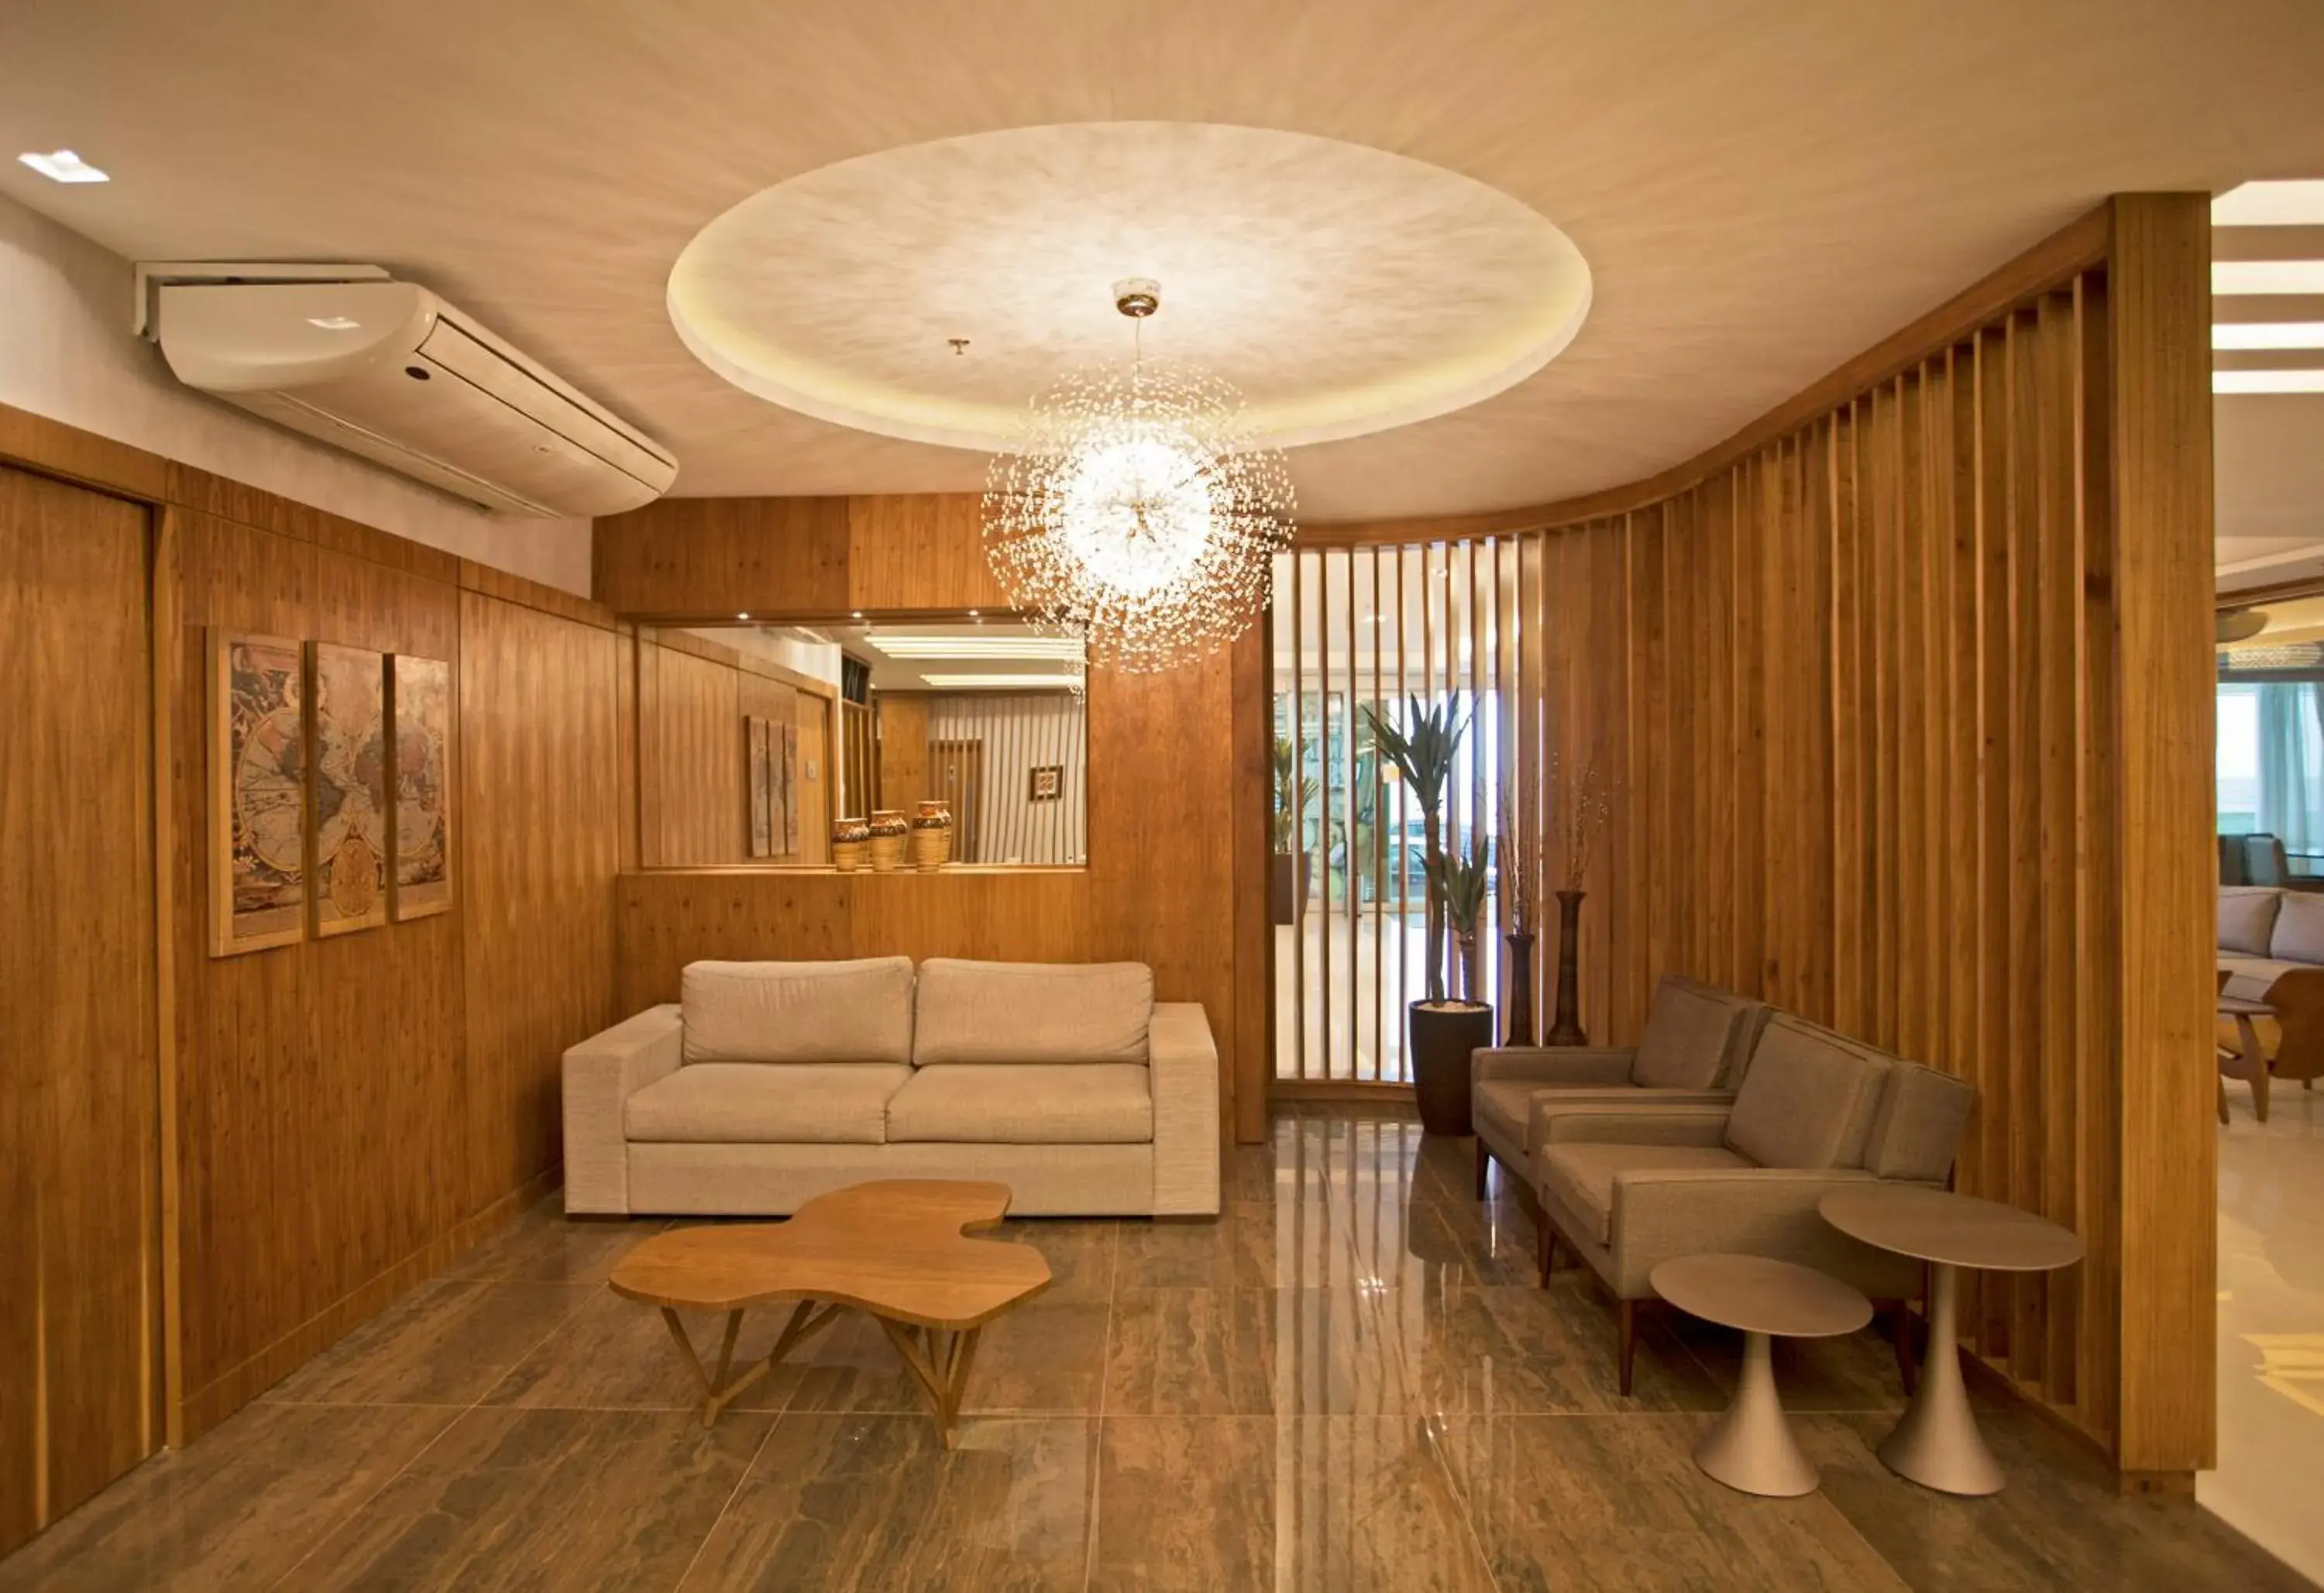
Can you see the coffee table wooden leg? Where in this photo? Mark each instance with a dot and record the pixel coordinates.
(717, 1392)
(941, 1362)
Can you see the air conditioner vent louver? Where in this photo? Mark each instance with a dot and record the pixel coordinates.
(387, 370)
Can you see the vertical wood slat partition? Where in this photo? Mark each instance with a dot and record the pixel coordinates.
(1906, 692)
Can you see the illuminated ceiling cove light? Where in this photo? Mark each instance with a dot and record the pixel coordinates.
(942, 681)
(2268, 276)
(1138, 512)
(2268, 334)
(62, 165)
(2270, 204)
(2267, 381)
(916, 644)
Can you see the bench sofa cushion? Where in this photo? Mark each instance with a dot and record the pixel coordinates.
(1025, 1103)
(2299, 934)
(2247, 918)
(1580, 1174)
(799, 1012)
(1031, 1012)
(745, 1103)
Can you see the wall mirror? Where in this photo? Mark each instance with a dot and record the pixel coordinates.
(753, 740)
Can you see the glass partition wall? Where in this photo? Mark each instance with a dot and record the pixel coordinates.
(1360, 632)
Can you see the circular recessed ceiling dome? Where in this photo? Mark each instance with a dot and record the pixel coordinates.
(1344, 290)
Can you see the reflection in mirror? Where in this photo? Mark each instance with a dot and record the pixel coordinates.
(756, 739)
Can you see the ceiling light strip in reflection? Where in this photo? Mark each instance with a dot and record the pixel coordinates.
(1064, 649)
(2267, 381)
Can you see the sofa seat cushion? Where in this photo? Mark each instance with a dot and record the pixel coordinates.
(859, 1010)
(1503, 1108)
(978, 1013)
(2249, 977)
(1580, 1174)
(745, 1103)
(1025, 1103)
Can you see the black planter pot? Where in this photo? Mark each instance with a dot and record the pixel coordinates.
(1287, 886)
(1442, 1040)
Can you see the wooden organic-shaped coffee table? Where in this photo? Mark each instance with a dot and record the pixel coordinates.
(897, 1250)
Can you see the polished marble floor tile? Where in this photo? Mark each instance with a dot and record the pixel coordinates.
(613, 1354)
(1044, 1357)
(546, 1246)
(509, 1500)
(1347, 1503)
(2060, 1523)
(236, 1511)
(1350, 1381)
(877, 1503)
(1617, 1503)
(446, 1343)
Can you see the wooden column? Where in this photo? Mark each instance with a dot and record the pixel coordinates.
(2159, 304)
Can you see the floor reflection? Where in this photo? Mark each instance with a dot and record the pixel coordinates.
(2270, 1325)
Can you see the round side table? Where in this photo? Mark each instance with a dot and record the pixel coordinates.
(1937, 1444)
(1752, 1450)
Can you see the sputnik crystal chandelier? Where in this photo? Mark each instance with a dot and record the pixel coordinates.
(1140, 512)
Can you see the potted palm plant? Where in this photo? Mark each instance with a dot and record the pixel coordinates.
(1295, 793)
(1443, 1030)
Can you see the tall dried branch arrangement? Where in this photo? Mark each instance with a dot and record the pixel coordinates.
(1585, 800)
(1520, 851)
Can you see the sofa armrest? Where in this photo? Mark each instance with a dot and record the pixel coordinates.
(1552, 1064)
(1625, 1125)
(1184, 1063)
(600, 1074)
(1661, 1213)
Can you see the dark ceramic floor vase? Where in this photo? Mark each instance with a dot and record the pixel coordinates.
(1442, 1040)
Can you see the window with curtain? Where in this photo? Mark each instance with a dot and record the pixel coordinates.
(2270, 764)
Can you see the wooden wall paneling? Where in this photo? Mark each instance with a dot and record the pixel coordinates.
(709, 558)
(627, 653)
(1990, 1177)
(1251, 850)
(919, 550)
(2159, 309)
(1746, 749)
(665, 921)
(1908, 698)
(902, 722)
(540, 847)
(2058, 581)
(2027, 884)
(79, 1266)
(1718, 759)
(1651, 772)
(696, 762)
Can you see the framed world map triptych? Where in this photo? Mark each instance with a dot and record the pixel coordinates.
(330, 790)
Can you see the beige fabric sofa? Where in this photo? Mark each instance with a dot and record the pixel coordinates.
(2272, 950)
(768, 1083)
(1690, 1053)
(1627, 1188)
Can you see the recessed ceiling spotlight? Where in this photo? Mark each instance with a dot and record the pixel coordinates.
(62, 165)
(741, 616)
(335, 323)
(859, 614)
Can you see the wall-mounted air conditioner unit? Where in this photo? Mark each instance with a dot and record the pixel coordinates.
(388, 370)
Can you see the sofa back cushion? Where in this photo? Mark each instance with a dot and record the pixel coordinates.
(2298, 934)
(1031, 1012)
(2248, 916)
(1693, 1032)
(1807, 1098)
(799, 1012)
(1919, 1125)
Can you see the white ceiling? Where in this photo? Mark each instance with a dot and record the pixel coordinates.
(1759, 191)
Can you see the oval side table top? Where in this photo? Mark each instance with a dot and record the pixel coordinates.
(1760, 1295)
(1953, 1230)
